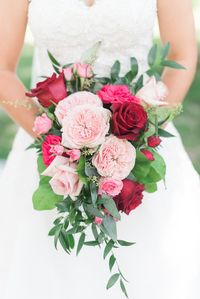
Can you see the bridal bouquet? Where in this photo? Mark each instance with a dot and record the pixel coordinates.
(98, 151)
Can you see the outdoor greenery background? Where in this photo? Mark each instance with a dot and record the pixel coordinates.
(188, 123)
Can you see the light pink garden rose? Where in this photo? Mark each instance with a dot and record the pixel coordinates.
(79, 98)
(115, 158)
(42, 124)
(68, 73)
(65, 180)
(83, 70)
(85, 126)
(52, 168)
(74, 154)
(153, 92)
(111, 187)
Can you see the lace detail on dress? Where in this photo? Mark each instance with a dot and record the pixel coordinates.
(68, 27)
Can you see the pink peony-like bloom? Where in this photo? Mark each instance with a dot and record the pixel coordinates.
(42, 124)
(85, 126)
(111, 94)
(83, 70)
(65, 180)
(111, 187)
(76, 99)
(68, 73)
(98, 220)
(74, 154)
(115, 158)
(153, 93)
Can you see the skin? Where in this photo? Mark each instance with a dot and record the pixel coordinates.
(176, 26)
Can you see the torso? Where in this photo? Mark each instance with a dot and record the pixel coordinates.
(68, 27)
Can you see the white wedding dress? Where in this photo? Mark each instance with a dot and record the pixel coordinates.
(165, 262)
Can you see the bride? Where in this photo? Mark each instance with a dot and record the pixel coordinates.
(165, 262)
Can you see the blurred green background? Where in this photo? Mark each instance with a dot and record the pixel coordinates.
(188, 123)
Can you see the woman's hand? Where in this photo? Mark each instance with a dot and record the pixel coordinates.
(176, 24)
(13, 21)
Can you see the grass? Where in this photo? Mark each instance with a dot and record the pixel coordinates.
(188, 123)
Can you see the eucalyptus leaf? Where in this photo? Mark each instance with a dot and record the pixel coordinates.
(110, 205)
(80, 243)
(112, 261)
(113, 279)
(110, 226)
(173, 65)
(90, 55)
(152, 55)
(123, 288)
(115, 70)
(165, 51)
(53, 59)
(125, 243)
(108, 248)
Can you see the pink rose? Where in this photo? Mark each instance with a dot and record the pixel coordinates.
(74, 154)
(65, 180)
(68, 73)
(98, 220)
(83, 70)
(48, 145)
(153, 93)
(85, 126)
(111, 187)
(111, 94)
(115, 158)
(76, 99)
(42, 124)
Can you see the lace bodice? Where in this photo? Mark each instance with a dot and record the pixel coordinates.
(68, 27)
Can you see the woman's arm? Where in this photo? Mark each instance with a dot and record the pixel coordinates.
(176, 24)
(13, 20)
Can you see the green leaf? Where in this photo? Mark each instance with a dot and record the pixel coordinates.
(112, 261)
(123, 288)
(164, 133)
(110, 225)
(110, 205)
(90, 55)
(134, 66)
(173, 65)
(152, 55)
(92, 211)
(115, 70)
(80, 243)
(63, 238)
(165, 51)
(40, 164)
(56, 236)
(53, 60)
(108, 248)
(44, 198)
(94, 231)
(71, 241)
(139, 83)
(125, 243)
(56, 228)
(81, 170)
(91, 243)
(151, 188)
(93, 192)
(113, 279)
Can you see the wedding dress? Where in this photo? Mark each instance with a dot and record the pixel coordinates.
(165, 262)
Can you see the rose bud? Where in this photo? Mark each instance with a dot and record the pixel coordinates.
(149, 155)
(68, 73)
(73, 155)
(42, 124)
(98, 220)
(50, 90)
(154, 141)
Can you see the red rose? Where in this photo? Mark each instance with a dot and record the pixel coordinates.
(52, 89)
(110, 94)
(154, 141)
(129, 120)
(130, 197)
(149, 155)
(47, 148)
